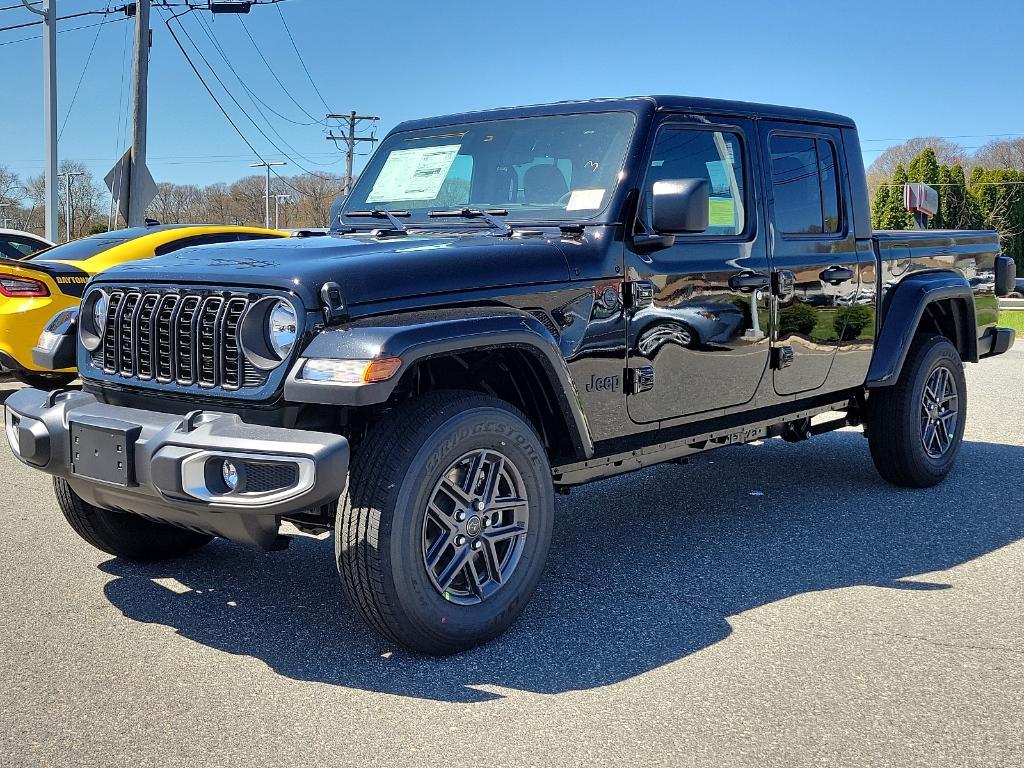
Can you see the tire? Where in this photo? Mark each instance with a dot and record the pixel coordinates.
(123, 534)
(898, 416)
(45, 381)
(384, 534)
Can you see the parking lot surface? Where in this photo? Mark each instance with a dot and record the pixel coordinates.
(764, 605)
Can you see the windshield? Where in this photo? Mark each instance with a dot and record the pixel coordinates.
(80, 250)
(554, 168)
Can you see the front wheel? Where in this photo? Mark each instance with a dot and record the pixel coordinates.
(916, 426)
(123, 534)
(446, 522)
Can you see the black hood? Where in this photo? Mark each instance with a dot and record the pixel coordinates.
(367, 269)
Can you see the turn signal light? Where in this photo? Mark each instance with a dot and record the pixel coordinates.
(350, 372)
(14, 286)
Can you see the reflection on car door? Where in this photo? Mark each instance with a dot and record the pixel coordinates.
(697, 329)
(813, 251)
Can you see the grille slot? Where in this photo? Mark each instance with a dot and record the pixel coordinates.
(260, 478)
(188, 339)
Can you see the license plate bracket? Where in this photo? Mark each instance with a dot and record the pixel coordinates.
(104, 450)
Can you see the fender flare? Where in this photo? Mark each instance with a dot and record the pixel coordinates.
(419, 335)
(904, 307)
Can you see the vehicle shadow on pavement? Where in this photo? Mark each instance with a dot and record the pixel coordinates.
(644, 570)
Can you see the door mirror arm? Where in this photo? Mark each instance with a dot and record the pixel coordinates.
(649, 243)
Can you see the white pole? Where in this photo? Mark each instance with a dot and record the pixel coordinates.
(49, 14)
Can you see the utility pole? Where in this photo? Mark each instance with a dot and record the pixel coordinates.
(348, 135)
(68, 176)
(49, 14)
(278, 199)
(140, 94)
(268, 166)
(6, 220)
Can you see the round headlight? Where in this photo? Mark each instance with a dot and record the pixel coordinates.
(99, 313)
(282, 325)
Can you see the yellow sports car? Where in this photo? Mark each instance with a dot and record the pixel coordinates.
(33, 290)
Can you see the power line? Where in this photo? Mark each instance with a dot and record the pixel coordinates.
(301, 60)
(230, 95)
(85, 68)
(273, 73)
(198, 74)
(61, 31)
(252, 96)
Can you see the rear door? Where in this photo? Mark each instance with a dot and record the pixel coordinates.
(813, 251)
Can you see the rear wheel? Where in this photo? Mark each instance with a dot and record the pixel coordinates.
(443, 531)
(122, 534)
(916, 426)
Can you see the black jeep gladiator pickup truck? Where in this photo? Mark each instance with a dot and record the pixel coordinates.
(511, 303)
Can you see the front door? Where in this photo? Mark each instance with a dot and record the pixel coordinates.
(697, 329)
(813, 251)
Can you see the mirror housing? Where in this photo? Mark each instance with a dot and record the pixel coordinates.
(680, 205)
(1006, 274)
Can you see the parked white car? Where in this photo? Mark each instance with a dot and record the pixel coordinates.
(18, 245)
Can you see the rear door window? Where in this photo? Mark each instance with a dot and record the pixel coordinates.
(805, 185)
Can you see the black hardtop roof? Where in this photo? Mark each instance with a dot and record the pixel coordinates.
(640, 103)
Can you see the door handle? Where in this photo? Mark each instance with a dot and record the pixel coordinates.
(836, 275)
(748, 281)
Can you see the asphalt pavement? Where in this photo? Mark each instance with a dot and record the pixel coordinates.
(771, 605)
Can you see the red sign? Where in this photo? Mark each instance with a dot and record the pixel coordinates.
(919, 197)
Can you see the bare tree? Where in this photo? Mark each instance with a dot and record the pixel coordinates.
(946, 152)
(1001, 153)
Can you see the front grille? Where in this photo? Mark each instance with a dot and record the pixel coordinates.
(186, 339)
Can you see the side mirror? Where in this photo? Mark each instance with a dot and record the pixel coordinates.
(1006, 273)
(680, 205)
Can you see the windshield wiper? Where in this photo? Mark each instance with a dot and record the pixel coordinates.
(477, 213)
(397, 227)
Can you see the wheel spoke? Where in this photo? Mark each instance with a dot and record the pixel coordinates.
(454, 492)
(505, 532)
(438, 548)
(453, 569)
(929, 437)
(441, 517)
(473, 474)
(492, 562)
(477, 579)
(493, 477)
(509, 504)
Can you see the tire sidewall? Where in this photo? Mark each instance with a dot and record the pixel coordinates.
(461, 625)
(937, 352)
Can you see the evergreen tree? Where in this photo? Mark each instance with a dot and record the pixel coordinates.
(890, 212)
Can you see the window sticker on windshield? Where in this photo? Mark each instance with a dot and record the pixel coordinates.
(585, 200)
(413, 174)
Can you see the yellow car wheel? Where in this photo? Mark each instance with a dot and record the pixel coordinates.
(45, 381)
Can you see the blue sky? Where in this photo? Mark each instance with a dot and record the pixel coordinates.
(900, 69)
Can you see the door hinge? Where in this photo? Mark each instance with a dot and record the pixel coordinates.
(640, 293)
(639, 379)
(783, 282)
(782, 357)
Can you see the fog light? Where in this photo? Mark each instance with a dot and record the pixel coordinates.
(229, 473)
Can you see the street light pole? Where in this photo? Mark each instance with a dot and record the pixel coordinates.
(49, 14)
(266, 209)
(278, 199)
(69, 175)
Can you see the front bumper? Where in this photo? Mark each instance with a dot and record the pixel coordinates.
(166, 467)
